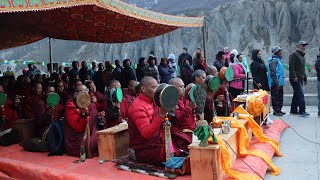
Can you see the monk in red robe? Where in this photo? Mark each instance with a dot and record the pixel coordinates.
(145, 124)
(44, 115)
(130, 94)
(75, 126)
(96, 97)
(184, 122)
(221, 100)
(31, 99)
(9, 112)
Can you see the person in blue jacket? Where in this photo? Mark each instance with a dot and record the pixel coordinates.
(276, 80)
(165, 71)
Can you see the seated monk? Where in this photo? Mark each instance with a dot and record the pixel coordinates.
(75, 126)
(70, 92)
(209, 108)
(221, 100)
(61, 91)
(9, 113)
(96, 97)
(183, 124)
(34, 96)
(44, 115)
(198, 77)
(145, 126)
(130, 94)
(113, 117)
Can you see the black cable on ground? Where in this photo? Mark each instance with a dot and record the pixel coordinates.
(242, 160)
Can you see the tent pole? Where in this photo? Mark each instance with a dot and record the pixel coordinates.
(50, 56)
(204, 39)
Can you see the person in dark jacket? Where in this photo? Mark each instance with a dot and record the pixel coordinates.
(140, 67)
(84, 71)
(259, 71)
(74, 72)
(97, 79)
(127, 73)
(186, 72)
(297, 76)
(165, 71)
(276, 80)
(317, 65)
(220, 60)
(107, 74)
(184, 56)
(152, 69)
(201, 63)
(117, 71)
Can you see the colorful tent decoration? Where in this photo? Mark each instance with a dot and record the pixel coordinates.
(104, 21)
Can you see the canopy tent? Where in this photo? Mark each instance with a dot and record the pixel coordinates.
(104, 21)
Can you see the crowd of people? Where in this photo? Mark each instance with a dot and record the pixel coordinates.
(27, 96)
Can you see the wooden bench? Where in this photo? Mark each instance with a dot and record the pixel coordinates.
(25, 127)
(113, 142)
(206, 161)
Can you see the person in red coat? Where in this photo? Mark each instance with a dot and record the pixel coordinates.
(145, 124)
(75, 126)
(183, 123)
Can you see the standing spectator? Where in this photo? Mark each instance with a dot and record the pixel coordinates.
(98, 78)
(276, 80)
(151, 69)
(107, 74)
(259, 71)
(317, 65)
(172, 64)
(61, 71)
(297, 76)
(165, 71)
(236, 87)
(9, 72)
(186, 72)
(83, 73)
(201, 63)
(140, 67)
(117, 71)
(127, 74)
(31, 71)
(194, 57)
(220, 60)
(74, 72)
(184, 56)
(93, 70)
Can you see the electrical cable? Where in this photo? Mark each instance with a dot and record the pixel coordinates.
(242, 160)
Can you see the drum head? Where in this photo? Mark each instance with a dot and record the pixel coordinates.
(187, 91)
(3, 98)
(118, 95)
(157, 93)
(199, 95)
(214, 83)
(229, 74)
(169, 97)
(83, 100)
(222, 73)
(191, 94)
(53, 99)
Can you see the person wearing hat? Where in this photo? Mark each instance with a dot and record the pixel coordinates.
(184, 56)
(297, 76)
(276, 80)
(317, 66)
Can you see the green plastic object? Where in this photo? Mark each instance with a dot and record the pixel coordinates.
(3, 98)
(214, 83)
(229, 74)
(116, 95)
(53, 99)
(191, 93)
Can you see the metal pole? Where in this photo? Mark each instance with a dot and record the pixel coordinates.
(204, 39)
(50, 56)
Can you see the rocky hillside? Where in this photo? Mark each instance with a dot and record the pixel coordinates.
(243, 25)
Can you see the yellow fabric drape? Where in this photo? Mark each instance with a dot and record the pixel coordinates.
(257, 103)
(226, 166)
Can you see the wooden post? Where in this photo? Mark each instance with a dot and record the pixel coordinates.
(50, 56)
(204, 39)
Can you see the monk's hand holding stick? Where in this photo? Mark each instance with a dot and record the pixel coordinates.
(192, 105)
(84, 112)
(101, 114)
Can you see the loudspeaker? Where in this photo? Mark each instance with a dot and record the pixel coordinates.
(55, 67)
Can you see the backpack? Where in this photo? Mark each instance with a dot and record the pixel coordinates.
(56, 138)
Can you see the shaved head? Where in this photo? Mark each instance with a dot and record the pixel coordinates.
(211, 70)
(179, 85)
(148, 86)
(146, 80)
(114, 84)
(174, 81)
